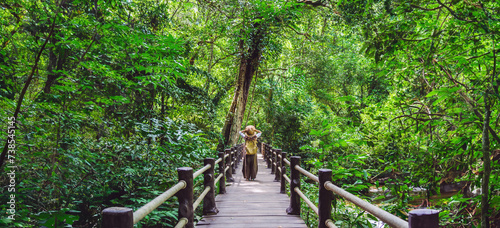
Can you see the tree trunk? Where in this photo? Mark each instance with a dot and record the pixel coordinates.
(248, 66)
(486, 164)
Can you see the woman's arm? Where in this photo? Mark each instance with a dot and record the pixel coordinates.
(242, 135)
(258, 134)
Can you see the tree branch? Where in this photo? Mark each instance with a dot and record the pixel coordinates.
(25, 88)
(478, 56)
(422, 8)
(225, 57)
(300, 33)
(471, 103)
(274, 69)
(87, 50)
(411, 117)
(415, 40)
(175, 12)
(314, 4)
(454, 13)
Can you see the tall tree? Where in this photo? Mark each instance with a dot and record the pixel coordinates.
(249, 63)
(261, 20)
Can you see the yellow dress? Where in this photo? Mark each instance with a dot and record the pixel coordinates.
(250, 166)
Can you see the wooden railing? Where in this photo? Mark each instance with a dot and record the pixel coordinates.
(278, 162)
(123, 217)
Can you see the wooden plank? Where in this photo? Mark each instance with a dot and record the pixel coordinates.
(252, 204)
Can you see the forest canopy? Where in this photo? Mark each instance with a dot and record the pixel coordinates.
(101, 101)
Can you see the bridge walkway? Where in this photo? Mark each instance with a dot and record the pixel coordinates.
(252, 204)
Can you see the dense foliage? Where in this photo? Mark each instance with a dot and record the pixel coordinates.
(110, 97)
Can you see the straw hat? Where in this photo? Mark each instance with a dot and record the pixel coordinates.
(250, 130)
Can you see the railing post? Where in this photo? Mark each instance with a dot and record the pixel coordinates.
(241, 152)
(325, 197)
(273, 162)
(209, 207)
(269, 155)
(423, 218)
(283, 172)
(259, 146)
(222, 181)
(236, 156)
(118, 217)
(233, 160)
(229, 172)
(294, 208)
(264, 152)
(277, 177)
(238, 159)
(185, 196)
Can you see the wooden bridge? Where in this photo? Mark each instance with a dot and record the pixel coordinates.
(251, 204)
(259, 203)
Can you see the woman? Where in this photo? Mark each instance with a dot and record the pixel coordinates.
(250, 134)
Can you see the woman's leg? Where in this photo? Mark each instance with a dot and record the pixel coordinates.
(254, 167)
(244, 168)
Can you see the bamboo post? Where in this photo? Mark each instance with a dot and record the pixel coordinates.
(185, 196)
(325, 197)
(294, 208)
(222, 181)
(277, 177)
(423, 218)
(229, 172)
(118, 217)
(283, 172)
(209, 207)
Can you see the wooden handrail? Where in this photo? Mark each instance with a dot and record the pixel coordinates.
(385, 216)
(126, 218)
(202, 170)
(219, 177)
(308, 174)
(156, 202)
(420, 218)
(200, 198)
(330, 224)
(306, 200)
(286, 178)
(182, 222)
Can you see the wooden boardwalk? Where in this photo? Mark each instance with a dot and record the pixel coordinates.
(252, 204)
